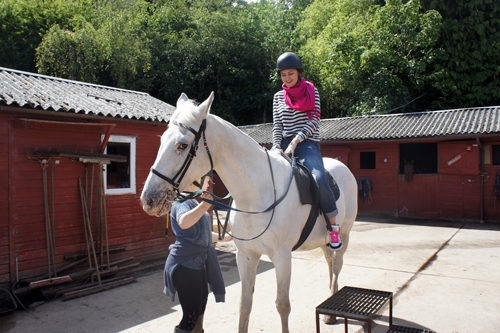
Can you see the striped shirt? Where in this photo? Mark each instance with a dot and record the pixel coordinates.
(288, 122)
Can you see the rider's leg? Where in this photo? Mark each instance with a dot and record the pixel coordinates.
(309, 153)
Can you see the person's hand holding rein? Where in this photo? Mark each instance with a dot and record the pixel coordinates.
(208, 196)
(291, 147)
(193, 216)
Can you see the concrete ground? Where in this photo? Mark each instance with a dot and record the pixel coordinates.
(445, 277)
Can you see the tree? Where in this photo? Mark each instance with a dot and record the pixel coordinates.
(468, 70)
(214, 47)
(369, 58)
(23, 23)
(102, 48)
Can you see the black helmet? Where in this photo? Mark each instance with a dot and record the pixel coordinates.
(288, 60)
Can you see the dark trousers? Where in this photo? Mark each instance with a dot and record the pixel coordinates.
(192, 289)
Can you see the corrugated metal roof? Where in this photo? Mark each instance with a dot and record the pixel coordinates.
(36, 91)
(430, 124)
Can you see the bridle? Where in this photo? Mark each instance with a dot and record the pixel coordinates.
(176, 180)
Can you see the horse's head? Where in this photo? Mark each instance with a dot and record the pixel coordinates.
(179, 161)
(408, 170)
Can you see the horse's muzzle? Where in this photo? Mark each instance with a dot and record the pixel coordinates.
(156, 204)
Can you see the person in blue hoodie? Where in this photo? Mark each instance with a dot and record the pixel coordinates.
(192, 263)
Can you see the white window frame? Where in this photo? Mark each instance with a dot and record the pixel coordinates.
(132, 141)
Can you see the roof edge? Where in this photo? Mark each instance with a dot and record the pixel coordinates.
(70, 81)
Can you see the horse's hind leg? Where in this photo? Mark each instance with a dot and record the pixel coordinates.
(247, 268)
(335, 262)
(330, 258)
(283, 266)
(338, 263)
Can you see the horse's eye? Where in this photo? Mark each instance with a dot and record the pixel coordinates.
(182, 146)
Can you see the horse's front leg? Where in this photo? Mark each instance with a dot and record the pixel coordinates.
(283, 266)
(247, 268)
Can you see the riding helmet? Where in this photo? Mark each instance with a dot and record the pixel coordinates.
(288, 60)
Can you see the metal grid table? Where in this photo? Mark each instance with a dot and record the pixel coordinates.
(404, 329)
(355, 303)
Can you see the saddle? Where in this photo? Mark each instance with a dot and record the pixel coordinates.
(309, 195)
(308, 189)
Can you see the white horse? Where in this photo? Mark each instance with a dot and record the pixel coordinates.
(244, 167)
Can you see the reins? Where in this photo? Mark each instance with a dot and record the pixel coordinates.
(217, 204)
(227, 207)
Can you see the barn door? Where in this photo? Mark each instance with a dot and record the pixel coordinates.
(418, 180)
(418, 198)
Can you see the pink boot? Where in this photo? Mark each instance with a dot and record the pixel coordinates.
(335, 240)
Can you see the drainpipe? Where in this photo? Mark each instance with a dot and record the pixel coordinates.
(481, 182)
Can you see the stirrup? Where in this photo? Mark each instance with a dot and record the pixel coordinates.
(335, 247)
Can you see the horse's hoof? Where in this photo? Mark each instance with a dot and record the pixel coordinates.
(330, 320)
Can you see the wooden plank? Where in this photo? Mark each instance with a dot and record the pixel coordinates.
(96, 289)
(4, 258)
(4, 237)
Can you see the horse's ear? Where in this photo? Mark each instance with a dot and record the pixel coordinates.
(183, 99)
(204, 107)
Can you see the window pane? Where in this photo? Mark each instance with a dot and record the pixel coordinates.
(118, 174)
(367, 160)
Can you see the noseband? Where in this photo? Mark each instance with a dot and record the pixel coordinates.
(176, 180)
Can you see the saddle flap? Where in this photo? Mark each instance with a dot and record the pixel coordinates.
(308, 189)
(303, 178)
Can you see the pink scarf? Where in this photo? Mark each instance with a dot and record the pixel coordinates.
(302, 97)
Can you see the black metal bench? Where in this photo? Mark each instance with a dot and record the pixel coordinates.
(355, 303)
(404, 329)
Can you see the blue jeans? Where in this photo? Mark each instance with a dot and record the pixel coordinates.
(308, 153)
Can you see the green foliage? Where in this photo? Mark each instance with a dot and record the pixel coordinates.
(215, 46)
(23, 23)
(104, 48)
(468, 69)
(76, 55)
(369, 58)
(365, 56)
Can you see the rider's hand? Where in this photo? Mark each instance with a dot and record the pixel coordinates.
(291, 147)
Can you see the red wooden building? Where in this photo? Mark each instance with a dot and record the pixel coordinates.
(55, 137)
(455, 156)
